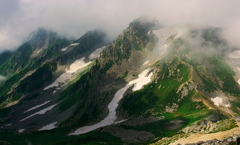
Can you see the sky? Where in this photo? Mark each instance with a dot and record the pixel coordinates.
(73, 18)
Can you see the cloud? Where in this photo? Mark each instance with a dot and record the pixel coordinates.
(232, 33)
(75, 17)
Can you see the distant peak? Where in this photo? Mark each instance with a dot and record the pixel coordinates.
(92, 34)
(40, 32)
(152, 24)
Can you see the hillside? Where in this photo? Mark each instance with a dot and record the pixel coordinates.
(153, 84)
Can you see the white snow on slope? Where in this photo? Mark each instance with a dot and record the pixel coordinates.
(21, 130)
(35, 107)
(146, 62)
(111, 116)
(96, 53)
(228, 105)
(74, 44)
(64, 49)
(43, 111)
(110, 119)
(49, 126)
(2, 78)
(217, 101)
(75, 66)
(141, 81)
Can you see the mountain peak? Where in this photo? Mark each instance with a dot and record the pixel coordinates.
(153, 82)
(41, 37)
(152, 24)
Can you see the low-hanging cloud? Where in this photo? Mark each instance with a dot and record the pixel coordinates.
(75, 17)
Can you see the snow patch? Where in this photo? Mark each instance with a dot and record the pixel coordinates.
(111, 116)
(235, 54)
(64, 49)
(75, 66)
(37, 106)
(221, 101)
(227, 105)
(39, 51)
(142, 80)
(120, 121)
(74, 44)
(146, 62)
(2, 78)
(149, 32)
(8, 124)
(96, 53)
(49, 126)
(217, 101)
(112, 106)
(43, 111)
(21, 130)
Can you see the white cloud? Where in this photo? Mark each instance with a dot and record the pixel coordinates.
(232, 34)
(75, 17)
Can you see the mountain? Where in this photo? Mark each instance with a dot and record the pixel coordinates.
(152, 85)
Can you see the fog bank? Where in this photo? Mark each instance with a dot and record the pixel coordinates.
(73, 18)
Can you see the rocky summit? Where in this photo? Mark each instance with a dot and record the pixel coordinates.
(153, 84)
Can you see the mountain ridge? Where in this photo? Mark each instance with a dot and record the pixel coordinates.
(191, 83)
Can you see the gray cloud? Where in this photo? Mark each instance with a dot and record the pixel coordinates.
(74, 17)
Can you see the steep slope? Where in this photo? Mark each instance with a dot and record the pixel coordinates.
(97, 87)
(151, 82)
(41, 43)
(35, 89)
(42, 46)
(192, 85)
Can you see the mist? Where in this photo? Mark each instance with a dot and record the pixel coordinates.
(73, 18)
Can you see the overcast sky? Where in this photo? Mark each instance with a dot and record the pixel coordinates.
(75, 17)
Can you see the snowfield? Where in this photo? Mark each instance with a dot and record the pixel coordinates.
(138, 83)
(21, 130)
(74, 67)
(74, 44)
(2, 78)
(219, 101)
(142, 80)
(43, 111)
(96, 53)
(64, 49)
(37, 106)
(146, 62)
(49, 126)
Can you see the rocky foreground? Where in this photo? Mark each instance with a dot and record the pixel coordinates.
(232, 140)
